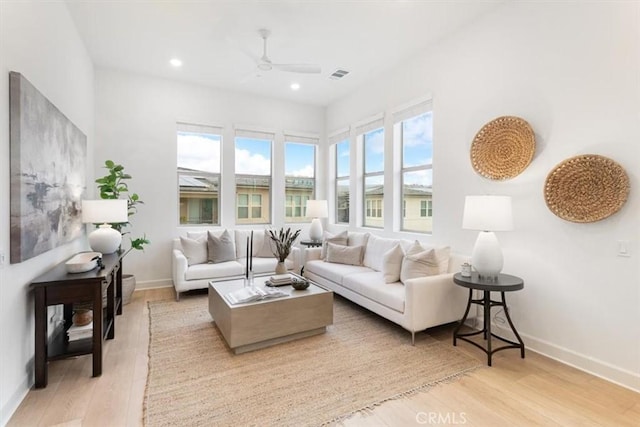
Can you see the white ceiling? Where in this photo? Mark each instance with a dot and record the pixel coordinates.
(216, 40)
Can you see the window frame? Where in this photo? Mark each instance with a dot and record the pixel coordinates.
(342, 179)
(303, 197)
(374, 174)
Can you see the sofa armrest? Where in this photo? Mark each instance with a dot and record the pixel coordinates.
(433, 300)
(312, 254)
(179, 267)
(294, 256)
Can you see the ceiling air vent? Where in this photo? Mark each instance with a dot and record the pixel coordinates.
(338, 74)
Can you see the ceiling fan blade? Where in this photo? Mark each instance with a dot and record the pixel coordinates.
(298, 68)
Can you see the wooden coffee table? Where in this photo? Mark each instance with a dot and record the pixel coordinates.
(255, 325)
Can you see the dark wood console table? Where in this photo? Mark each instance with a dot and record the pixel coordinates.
(55, 287)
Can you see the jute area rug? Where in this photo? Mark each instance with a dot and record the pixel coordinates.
(361, 361)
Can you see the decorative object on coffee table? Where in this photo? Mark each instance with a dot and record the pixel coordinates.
(586, 188)
(299, 284)
(283, 240)
(503, 148)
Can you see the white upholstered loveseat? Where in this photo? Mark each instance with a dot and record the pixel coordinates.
(415, 303)
(191, 271)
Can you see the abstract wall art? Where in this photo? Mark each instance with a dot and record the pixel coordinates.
(48, 154)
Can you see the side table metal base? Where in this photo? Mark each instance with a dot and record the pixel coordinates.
(487, 303)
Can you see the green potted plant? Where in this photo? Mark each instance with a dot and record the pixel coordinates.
(112, 186)
(283, 240)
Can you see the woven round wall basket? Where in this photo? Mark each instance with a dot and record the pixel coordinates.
(503, 148)
(586, 188)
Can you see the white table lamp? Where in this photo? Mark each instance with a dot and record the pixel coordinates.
(316, 209)
(104, 239)
(487, 214)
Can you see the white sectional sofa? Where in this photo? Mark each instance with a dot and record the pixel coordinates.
(415, 303)
(194, 269)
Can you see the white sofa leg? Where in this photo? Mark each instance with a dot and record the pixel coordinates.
(177, 296)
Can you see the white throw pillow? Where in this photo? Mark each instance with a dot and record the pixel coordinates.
(338, 239)
(221, 248)
(341, 254)
(375, 250)
(392, 264)
(195, 250)
(420, 262)
(268, 246)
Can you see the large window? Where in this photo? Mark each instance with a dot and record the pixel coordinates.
(198, 174)
(373, 147)
(417, 172)
(300, 182)
(342, 181)
(253, 178)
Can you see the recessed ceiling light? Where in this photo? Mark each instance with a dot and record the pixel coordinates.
(295, 86)
(176, 62)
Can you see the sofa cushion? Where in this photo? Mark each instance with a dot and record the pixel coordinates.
(392, 264)
(355, 238)
(198, 234)
(214, 271)
(338, 239)
(351, 255)
(420, 262)
(221, 248)
(376, 248)
(372, 286)
(195, 250)
(332, 271)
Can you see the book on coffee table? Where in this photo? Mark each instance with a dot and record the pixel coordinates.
(279, 280)
(252, 293)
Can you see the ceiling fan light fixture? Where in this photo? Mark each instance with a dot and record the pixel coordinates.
(295, 86)
(175, 62)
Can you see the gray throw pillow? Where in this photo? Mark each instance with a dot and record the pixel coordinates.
(340, 254)
(221, 248)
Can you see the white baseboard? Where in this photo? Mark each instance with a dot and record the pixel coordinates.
(604, 370)
(154, 284)
(14, 401)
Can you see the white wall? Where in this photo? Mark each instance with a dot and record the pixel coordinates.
(40, 41)
(136, 120)
(572, 71)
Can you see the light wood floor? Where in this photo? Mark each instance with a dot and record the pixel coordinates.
(514, 392)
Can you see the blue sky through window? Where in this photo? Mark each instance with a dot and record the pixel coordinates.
(417, 140)
(199, 151)
(342, 157)
(253, 156)
(299, 160)
(374, 151)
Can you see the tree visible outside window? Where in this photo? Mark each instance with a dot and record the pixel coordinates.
(342, 181)
(300, 182)
(253, 180)
(198, 167)
(417, 172)
(373, 146)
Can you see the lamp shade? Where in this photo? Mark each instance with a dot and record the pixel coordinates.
(487, 213)
(104, 211)
(317, 209)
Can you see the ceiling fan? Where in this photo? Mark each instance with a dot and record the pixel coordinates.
(265, 64)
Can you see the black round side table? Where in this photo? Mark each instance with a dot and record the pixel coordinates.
(503, 283)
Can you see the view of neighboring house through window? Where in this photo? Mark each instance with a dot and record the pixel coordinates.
(253, 177)
(417, 172)
(342, 181)
(373, 146)
(199, 174)
(300, 172)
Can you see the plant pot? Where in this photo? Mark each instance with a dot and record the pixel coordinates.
(281, 268)
(128, 286)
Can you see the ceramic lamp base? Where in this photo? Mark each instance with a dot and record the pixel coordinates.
(315, 230)
(105, 239)
(486, 257)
